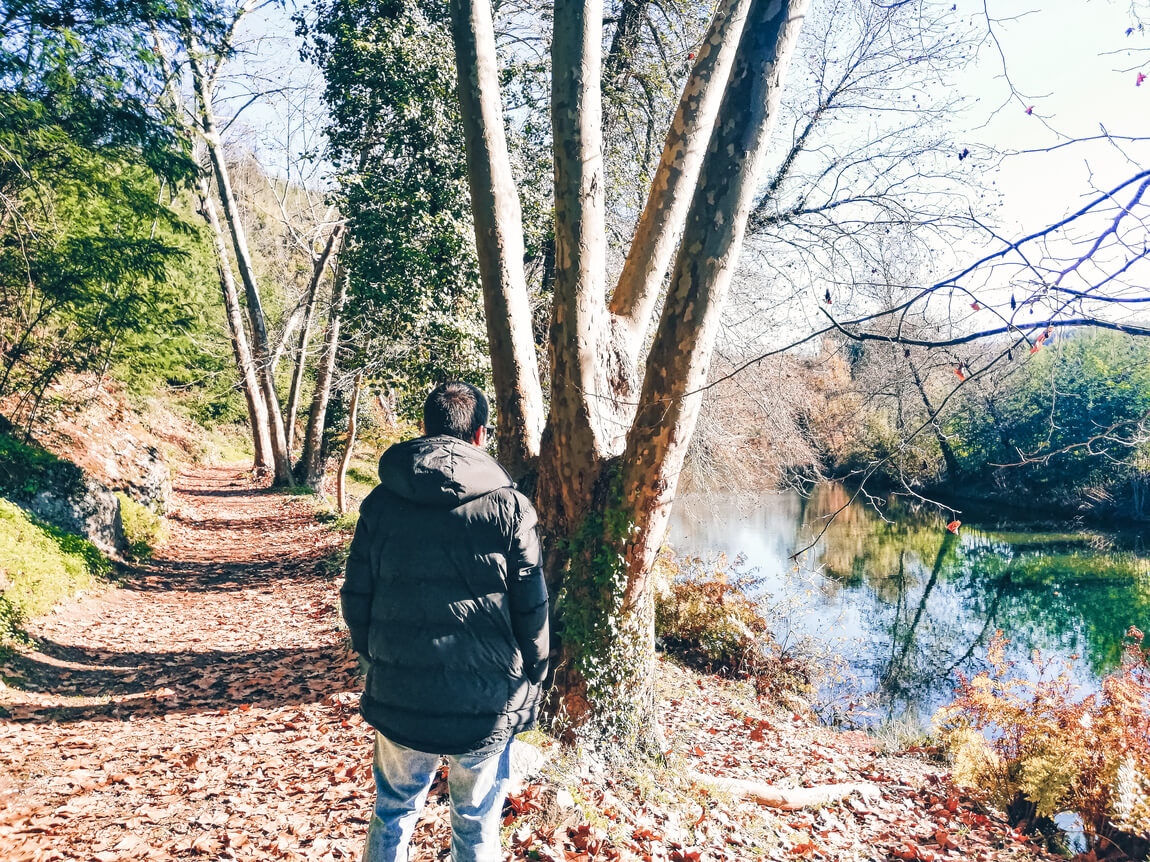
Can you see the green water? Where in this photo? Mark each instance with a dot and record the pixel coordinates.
(908, 605)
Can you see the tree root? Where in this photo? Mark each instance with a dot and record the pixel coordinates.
(789, 798)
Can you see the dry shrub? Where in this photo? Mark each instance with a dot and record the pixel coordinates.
(1034, 750)
(753, 432)
(705, 617)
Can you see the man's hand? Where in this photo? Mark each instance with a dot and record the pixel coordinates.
(527, 595)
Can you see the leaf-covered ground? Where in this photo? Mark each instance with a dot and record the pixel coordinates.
(206, 709)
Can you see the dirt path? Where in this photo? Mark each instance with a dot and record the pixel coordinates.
(206, 707)
(206, 710)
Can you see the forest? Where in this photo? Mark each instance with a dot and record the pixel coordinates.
(800, 320)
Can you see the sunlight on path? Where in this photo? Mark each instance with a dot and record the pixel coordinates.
(207, 706)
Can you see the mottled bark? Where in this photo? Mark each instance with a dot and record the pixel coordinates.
(663, 217)
(311, 463)
(257, 409)
(305, 333)
(679, 360)
(260, 343)
(498, 240)
(605, 482)
(348, 446)
(583, 425)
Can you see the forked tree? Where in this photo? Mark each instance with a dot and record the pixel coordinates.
(605, 459)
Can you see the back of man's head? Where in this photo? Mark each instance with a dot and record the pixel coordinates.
(456, 409)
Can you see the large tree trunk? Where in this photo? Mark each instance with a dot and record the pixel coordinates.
(679, 360)
(607, 475)
(305, 334)
(498, 240)
(583, 427)
(260, 343)
(311, 462)
(257, 409)
(608, 635)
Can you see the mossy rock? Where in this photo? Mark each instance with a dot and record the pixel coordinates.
(39, 566)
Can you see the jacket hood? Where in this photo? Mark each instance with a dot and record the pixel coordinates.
(440, 471)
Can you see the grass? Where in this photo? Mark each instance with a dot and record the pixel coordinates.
(227, 444)
(297, 490)
(39, 566)
(337, 523)
(144, 530)
(362, 475)
(897, 735)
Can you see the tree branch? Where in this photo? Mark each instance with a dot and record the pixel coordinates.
(663, 216)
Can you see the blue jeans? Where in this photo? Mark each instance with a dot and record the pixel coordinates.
(478, 785)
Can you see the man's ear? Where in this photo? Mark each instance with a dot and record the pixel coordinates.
(480, 437)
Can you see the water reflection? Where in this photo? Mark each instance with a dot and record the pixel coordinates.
(907, 604)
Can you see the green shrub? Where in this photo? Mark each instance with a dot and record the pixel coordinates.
(39, 566)
(144, 530)
(25, 468)
(708, 622)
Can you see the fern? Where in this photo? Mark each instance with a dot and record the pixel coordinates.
(1029, 746)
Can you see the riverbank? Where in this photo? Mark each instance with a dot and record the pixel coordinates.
(909, 604)
(1021, 508)
(206, 708)
(726, 746)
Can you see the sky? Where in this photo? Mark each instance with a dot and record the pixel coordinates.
(1074, 64)
(1073, 61)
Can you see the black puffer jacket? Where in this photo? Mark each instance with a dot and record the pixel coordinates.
(445, 596)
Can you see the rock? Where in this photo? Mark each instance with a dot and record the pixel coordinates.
(100, 446)
(84, 507)
(527, 760)
(102, 435)
(149, 480)
(124, 463)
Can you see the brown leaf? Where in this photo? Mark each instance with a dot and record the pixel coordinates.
(206, 844)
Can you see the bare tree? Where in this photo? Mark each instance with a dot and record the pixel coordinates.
(300, 356)
(205, 63)
(253, 394)
(348, 444)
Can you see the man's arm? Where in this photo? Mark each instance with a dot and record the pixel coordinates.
(359, 583)
(527, 595)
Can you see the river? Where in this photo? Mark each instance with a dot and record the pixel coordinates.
(907, 605)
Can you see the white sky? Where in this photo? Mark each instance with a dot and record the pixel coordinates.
(1072, 61)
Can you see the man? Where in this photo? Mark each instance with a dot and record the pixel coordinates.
(445, 599)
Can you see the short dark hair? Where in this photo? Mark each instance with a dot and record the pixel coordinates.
(456, 409)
